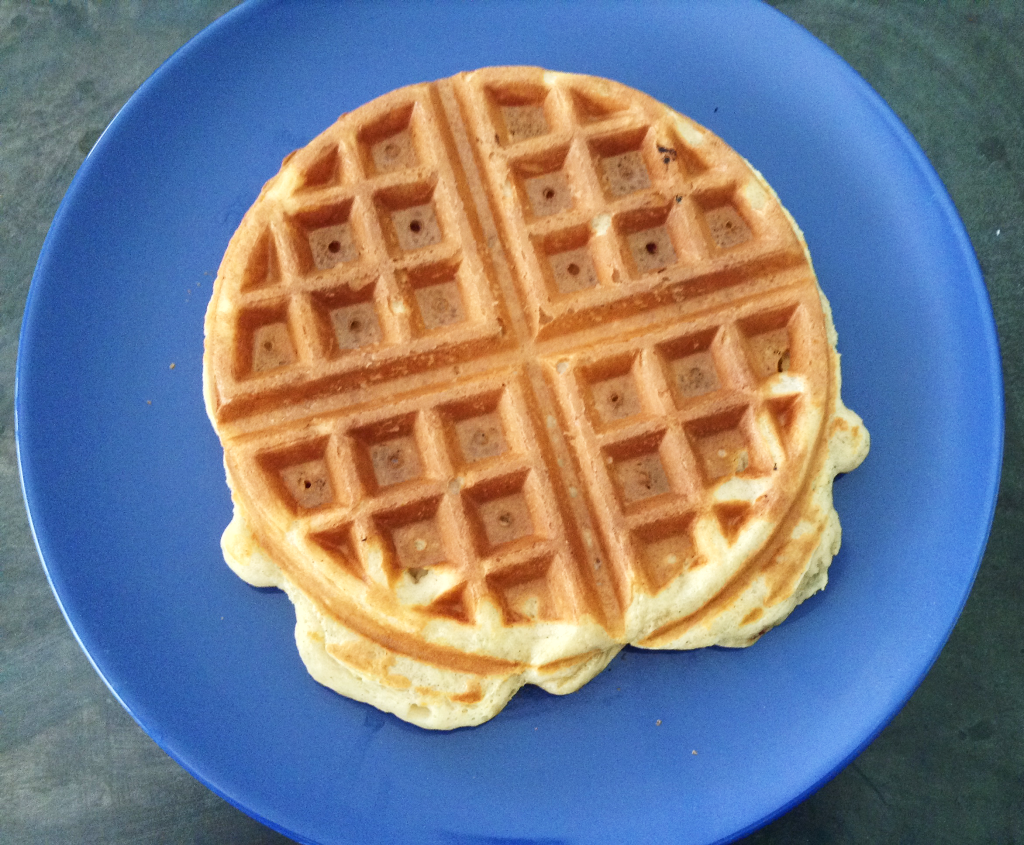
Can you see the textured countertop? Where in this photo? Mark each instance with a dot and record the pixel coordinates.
(949, 768)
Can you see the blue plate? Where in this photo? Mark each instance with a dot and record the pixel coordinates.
(123, 479)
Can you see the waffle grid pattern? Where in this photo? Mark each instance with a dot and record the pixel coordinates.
(362, 269)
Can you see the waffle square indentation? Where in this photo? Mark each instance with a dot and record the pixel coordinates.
(637, 469)
(616, 398)
(624, 174)
(476, 428)
(453, 604)
(646, 240)
(567, 262)
(544, 182)
(394, 153)
(690, 369)
(665, 550)
(727, 227)
(481, 437)
(505, 519)
(641, 477)
(333, 245)
(346, 318)
(527, 591)
(415, 539)
(409, 218)
(309, 483)
(768, 342)
(265, 340)
(326, 236)
(263, 268)
(419, 544)
(548, 193)
(611, 391)
(501, 512)
(440, 305)
(416, 226)
(732, 518)
(589, 107)
(395, 460)
(324, 171)
(721, 444)
(337, 544)
(437, 296)
(651, 249)
(272, 347)
(573, 270)
(356, 325)
(785, 412)
(300, 475)
(518, 112)
(694, 375)
(388, 453)
(526, 121)
(388, 143)
(621, 168)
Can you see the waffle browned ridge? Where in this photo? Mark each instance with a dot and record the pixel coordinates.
(522, 351)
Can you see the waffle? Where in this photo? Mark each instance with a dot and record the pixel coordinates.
(513, 369)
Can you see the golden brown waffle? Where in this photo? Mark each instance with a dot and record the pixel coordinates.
(510, 370)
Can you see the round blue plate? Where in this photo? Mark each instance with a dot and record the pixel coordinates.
(124, 484)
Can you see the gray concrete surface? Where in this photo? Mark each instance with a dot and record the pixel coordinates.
(74, 767)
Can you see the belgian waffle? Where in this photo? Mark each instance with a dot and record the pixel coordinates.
(512, 369)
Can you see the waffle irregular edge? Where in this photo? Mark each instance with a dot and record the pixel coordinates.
(513, 369)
